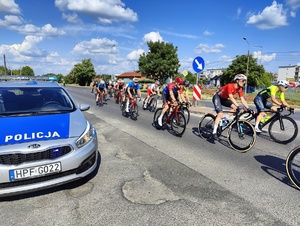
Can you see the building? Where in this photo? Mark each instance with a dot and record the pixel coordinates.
(130, 75)
(212, 75)
(290, 73)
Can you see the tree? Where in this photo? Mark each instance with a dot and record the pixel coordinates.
(191, 78)
(160, 62)
(239, 66)
(84, 72)
(27, 71)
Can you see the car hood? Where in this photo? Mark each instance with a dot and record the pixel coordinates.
(42, 127)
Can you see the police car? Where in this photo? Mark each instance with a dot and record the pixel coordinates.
(45, 140)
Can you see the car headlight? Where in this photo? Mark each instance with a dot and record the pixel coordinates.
(88, 135)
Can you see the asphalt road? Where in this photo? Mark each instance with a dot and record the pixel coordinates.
(150, 177)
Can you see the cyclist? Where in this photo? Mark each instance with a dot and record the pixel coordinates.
(119, 90)
(262, 102)
(225, 97)
(152, 89)
(133, 87)
(94, 85)
(170, 95)
(185, 91)
(101, 88)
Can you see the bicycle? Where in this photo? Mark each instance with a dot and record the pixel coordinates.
(118, 96)
(99, 98)
(175, 118)
(282, 129)
(133, 108)
(184, 108)
(292, 165)
(240, 135)
(152, 102)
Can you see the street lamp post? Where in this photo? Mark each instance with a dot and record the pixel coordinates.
(111, 58)
(247, 70)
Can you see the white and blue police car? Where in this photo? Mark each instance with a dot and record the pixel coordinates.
(45, 140)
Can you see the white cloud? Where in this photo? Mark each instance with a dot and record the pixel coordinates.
(9, 6)
(294, 4)
(104, 11)
(135, 55)
(11, 20)
(238, 12)
(208, 33)
(152, 36)
(100, 46)
(205, 48)
(72, 18)
(271, 17)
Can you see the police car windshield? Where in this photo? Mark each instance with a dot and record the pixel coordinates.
(33, 100)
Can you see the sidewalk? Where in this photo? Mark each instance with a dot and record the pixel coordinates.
(201, 110)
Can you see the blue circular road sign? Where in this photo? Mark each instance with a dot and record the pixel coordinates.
(198, 64)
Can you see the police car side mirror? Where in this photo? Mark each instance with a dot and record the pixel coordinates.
(84, 107)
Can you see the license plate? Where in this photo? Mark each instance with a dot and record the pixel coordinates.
(36, 171)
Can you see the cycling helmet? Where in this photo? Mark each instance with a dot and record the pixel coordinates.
(102, 82)
(186, 83)
(157, 82)
(135, 80)
(283, 83)
(179, 80)
(239, 77)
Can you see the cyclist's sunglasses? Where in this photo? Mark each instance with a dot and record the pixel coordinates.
(286, 87)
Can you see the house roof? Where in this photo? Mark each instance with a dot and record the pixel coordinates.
(130, 75)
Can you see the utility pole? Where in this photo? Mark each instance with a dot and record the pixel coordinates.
(247, 70)
(5, 73)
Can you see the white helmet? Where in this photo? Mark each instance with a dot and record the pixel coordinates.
(240, 76)
(135, 80)
(157, 82)
(102, 82)
(283, 83)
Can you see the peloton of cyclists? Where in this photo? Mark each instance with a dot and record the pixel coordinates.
(262, 102)
(170, 96)
(225, 97)
(132, 88)
(152, 89)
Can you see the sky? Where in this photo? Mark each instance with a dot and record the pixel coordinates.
(52, 36)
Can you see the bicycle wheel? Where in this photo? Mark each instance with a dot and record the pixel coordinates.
(186, 113)
(134, 110)
(206, 126)
(292, 166)
(178, 123)
(152, 105)
(285, 134)
(244, 140)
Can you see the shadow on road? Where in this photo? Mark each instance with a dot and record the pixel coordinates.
(275, 167)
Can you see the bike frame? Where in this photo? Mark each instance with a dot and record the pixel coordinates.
(174, 112)
(235, 119)
(276, 115)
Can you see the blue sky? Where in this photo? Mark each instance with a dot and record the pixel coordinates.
(52, 36)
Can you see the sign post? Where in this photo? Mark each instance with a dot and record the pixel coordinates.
(198, 65)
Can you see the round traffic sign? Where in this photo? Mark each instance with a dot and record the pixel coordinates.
(198, 64)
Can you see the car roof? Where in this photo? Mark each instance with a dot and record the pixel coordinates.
(29, 81)
(28, 84)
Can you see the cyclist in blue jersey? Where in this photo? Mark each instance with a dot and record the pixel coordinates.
(101, 88)
(132, 88)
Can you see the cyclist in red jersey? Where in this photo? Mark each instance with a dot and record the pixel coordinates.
(225, 97)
